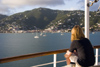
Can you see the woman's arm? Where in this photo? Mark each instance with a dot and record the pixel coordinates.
(68, 54)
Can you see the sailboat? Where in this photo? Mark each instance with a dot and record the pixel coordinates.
(41, 34)
(93, 32)
(62, 34)
(44, 34)
(36, 34)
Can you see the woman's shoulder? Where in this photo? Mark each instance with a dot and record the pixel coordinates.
(84, 39)
(80, 39)
(74, 41)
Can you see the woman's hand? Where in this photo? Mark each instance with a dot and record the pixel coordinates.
(68, 54)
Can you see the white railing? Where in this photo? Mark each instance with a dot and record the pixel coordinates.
(54, 53)
(55, 62)
(97, 54)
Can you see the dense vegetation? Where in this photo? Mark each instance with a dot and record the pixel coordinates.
(43, 18)
(2, 16)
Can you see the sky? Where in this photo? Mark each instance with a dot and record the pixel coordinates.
(9, 7)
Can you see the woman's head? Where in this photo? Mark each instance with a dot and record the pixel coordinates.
(77, 33)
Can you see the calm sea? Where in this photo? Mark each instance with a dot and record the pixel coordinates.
(25, 43)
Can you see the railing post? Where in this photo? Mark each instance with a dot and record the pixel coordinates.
(86, 19)
(55, 57)
(96, 56)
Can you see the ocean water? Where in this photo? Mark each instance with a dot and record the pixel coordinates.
(25, 43)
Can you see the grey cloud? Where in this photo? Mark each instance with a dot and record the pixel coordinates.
(49, 2)
(5, 10)
(8, 5)
(68, 0)
(17, 3)
(94, 7)
(81, 3)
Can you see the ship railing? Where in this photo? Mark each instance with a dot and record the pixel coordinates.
(54, 53)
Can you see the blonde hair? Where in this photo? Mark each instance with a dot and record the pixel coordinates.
(77, 33)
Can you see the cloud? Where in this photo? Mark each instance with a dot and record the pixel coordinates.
(94, 7)
(8, 5)
(16, 3)
(77, 4)
(81, 4)
(12, 6)
(73, 8)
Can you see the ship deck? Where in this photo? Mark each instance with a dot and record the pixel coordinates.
(21, 57)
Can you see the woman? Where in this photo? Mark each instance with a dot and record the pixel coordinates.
(81, 48)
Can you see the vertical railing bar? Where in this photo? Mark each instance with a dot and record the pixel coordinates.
(86, 19)
(96, 56)
(55, 57)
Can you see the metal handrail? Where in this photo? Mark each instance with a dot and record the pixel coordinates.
(27, 56)
(16, 58)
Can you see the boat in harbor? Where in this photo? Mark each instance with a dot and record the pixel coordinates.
(36, 36)
(93, 32)
(41, 34)
(62, 34)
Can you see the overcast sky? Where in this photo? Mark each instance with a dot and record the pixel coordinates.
(9, 7)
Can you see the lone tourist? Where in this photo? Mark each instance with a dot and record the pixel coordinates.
(81, 51)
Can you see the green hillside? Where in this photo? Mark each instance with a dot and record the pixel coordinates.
(43, 18)
(2, 16)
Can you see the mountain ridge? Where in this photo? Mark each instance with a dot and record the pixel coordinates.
(44, 18)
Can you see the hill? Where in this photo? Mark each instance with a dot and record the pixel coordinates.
(2, 16)
(43, 18)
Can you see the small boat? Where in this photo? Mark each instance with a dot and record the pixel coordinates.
(36, 36)
(44, 35)
(41, 34)
(62, 34)
(36, 33)
(93, 32)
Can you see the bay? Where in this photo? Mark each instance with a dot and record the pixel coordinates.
(14, 44)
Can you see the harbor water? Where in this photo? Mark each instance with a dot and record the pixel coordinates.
(15, 44)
